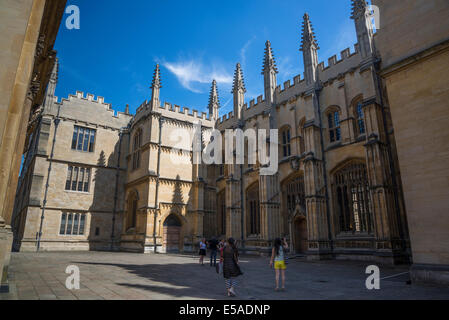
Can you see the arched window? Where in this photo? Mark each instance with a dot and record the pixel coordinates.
(360, 118)
(136, 149)
(333, 119)
(352, 201)
(285, 142)
(132, 211)
(221, 207)
(253, 209)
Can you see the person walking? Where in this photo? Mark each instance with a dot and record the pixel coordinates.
(203, 246)
(213, 244)
(231, 269)
(278, 258)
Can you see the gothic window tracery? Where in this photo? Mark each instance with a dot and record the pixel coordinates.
(333, 120)
(221, 201)
(352, 199)
(132, 211)
(295, 193)
(360, 118)
(253, 207)
(136, 149)
(285, 142)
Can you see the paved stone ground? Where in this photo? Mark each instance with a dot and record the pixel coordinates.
(106, 275)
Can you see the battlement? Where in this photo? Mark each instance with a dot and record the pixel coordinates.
(91, 98)
(174, 111)
(90, 109)
(226, 118)
(336, 67)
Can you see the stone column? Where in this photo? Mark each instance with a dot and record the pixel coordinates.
(386, 224)
(152, 238)
(314, 187)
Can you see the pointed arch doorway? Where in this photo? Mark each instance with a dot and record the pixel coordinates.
(300, 237)
(172, 234)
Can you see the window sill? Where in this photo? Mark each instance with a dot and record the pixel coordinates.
(83, 151)
(78, 192)
(354, 236)
(334, 145)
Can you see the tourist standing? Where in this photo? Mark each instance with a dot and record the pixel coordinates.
(278, 258)
(231, 269)
(213, 244)
(203, 245)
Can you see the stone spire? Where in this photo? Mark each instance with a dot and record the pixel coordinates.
(51, 88)
(238, 89)
(214, 102)
(309, 47)
(363, 26)
(127, 109)
(155, 87)
(269, 72)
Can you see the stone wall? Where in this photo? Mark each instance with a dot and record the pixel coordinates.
(414, 72)
(97, 204)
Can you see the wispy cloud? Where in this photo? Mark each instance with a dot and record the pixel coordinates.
(287, 69)
(192, 73)
(345, 37)
(244, 49)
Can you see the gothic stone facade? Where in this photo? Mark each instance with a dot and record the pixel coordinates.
(337, 193)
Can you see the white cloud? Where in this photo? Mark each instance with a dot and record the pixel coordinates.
(345, 38)
(243, 51)
(287, 69)
(191, 73)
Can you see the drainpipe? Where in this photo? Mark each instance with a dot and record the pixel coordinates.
(117, 174)
(39, 235)
(156, 204)
(326, 193)
(242, 210)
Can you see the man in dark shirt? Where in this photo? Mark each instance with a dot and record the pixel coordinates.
(213, 251)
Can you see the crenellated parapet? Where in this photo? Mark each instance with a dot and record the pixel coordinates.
(176, 112)
(89, 109)
(347, 63)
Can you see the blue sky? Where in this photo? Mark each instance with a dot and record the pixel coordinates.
(114, 52)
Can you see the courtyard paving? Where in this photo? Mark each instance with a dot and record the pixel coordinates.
(107, 275)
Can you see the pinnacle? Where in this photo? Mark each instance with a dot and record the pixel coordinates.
(156, 83)
(55, 71)
(308, 38)
(238, 80)
(359, 7)
(269, 63)
(213, 97)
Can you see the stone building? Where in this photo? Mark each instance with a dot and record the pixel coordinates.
(414, 71)
(29, 30)
(167, 196)
(337, 193)
(70, 192)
